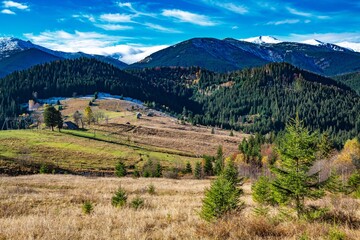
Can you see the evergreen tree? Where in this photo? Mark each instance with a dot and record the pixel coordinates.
(188, 168)
(208, 166)
(223, 195)
(158, 171)
(324, 145)
(120, 169)
(262, 191)
(198, 170)
(52, 117)
(219, 161)
(297, 151)
(230, 173)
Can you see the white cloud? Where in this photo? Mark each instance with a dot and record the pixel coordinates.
(298, 13)
(7, 11)
(93, 43)
(286, 21)
(234, 27)
(236, 8)
(184, 16)
(161, 28)
(12, 4)
(81, 17)
(113, 27)
(305, 14)
(116, 17)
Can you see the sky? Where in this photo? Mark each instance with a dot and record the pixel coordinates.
(134, 29)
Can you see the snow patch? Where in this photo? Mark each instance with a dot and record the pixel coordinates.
(262, 40)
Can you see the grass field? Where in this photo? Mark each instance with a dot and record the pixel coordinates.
(77, 151)
(50, 207)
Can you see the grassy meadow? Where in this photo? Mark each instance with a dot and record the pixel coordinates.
(50, 207)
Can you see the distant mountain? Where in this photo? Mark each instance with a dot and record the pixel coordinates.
(210, 53)
(262, 40)
(16, 54)
(231, 54)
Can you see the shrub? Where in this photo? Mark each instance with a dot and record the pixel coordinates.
(87, 207)
(172, 174)
(43, 169)
(137, 202)
(119, 199)
(335, 234)
(152, 169)
(151, 189)
(120, 169)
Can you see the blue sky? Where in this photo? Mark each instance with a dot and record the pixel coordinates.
(134, 29)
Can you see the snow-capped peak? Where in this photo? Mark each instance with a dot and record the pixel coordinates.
(314, 42)
(13, 44)
(350, 45)
(262, 40)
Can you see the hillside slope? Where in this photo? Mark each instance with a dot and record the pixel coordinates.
(231, 54)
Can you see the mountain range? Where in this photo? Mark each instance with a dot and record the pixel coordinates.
(213, 54)
(16, 54)
(231, 54)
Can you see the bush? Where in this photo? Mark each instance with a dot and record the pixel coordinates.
(222, 197)
(119, 199)
(151, 189)
(152, 169)
(43, 169)
(335, 234)
(172, 174)
(137, 202)
(87, 207)
(120, 169)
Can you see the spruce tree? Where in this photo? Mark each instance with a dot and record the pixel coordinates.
(188, 168)
(120, 169)
(208, 166)
(293, 183)
(219, 161)
(198, 170)
(223, 195)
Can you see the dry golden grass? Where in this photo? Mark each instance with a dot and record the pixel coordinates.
(49, 207)
(160, 131)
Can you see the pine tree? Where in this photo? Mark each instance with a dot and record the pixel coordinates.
(223, 195)
(198, 170)
(262, 191)
(219, 161)
(120, 169)
(188, 168)
(208, 166)
(293, 183)
(324, 145)
(52, 118)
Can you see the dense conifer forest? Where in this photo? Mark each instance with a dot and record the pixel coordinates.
(253, 100)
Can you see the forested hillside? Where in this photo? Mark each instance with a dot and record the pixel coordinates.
(253, 100)
(263, 99)
(82, 76)
(351, 79)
